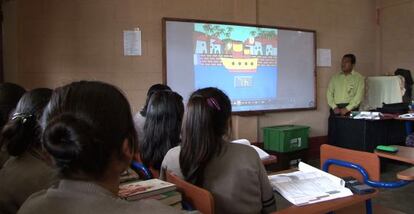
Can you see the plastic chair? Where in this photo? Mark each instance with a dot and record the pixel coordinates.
(199, 198)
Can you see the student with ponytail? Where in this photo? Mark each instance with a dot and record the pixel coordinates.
(10, 94)
(28, 170)
(233, 173)
(90, 135)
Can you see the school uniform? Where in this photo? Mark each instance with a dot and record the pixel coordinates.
(20, 177)
(81, 197)
(236, 178)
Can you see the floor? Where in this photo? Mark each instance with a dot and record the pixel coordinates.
(401, 199)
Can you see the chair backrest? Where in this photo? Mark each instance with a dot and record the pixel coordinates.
(369, 161)
(200, 199)
(143, 171)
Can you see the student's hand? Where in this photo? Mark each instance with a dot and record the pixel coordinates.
(344, 111)
(337, 110)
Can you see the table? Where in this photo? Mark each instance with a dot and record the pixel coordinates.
(404, 154)
(365, 135)
(271, 159)
(326, 206)
(408, 124)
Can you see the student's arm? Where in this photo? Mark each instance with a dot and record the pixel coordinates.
(357, 99)
(330, 94)
(268, 199)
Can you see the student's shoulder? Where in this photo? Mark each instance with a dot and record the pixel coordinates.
(34, 202)
(241, 149)
(172, 154)
(174, 150)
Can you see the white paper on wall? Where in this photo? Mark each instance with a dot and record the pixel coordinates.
(324, 57)
(132, 42)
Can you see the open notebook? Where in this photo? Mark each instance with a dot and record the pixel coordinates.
(309, 185)
(262, 154)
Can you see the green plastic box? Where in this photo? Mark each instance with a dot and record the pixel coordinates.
(286, 138)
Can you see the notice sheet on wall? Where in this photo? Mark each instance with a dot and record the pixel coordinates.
(132, 42)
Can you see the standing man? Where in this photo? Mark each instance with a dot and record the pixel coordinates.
(346, 89)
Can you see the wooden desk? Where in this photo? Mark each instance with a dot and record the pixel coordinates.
(404, 154)
(326, 206)
(365, 135)
(269, 160)
(407, 174)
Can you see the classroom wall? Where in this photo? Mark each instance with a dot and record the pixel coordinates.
(396, 35)
(53, 42)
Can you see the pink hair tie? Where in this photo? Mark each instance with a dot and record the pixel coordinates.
(213, 103)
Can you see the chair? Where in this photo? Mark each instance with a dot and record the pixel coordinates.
(369, 161)
(143, 171)
(200, 199)
(363, 166)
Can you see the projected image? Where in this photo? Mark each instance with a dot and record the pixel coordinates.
(245, 59)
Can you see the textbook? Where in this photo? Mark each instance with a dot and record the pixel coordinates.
(143, 189)
(128, 175)
(309, 185)
(262, 154)
(168, 198)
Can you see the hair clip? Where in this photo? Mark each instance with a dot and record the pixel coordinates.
(21, 116)
(213, 103)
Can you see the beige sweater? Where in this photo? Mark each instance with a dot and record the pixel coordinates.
(80, 197)
(20, 177)
(236, 178)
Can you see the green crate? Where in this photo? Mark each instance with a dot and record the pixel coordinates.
(285, 138)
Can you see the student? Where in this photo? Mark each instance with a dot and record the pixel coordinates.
(89, 132)
(28, 169)
(233, 173)
(139, 119)
(162, 128)
(10, 94)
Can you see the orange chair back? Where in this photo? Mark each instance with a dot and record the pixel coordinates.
(369, 161)
(201, 199)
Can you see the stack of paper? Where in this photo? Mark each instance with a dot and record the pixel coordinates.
(309, 185)
(408, 115)
(368, 115)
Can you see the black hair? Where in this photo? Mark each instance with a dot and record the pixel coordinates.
(23, 131)
(162, 127)
(205, 125)
(351, 57)
(86, 124)
(10, 94)
(154, 88)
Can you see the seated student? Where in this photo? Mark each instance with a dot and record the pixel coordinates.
(233, 173)
(28, 169)
(139, 119)
(162, 128)
(90, 135)
(10, 94)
